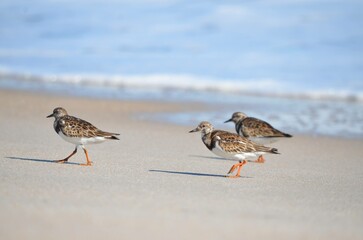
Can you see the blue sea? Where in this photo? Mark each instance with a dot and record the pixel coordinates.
(297, 64)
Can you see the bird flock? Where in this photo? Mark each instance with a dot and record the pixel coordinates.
(246, 145)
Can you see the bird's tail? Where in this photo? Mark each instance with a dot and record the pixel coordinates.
(112, 137)
(274, 151)
(287, 135)
(109, 135)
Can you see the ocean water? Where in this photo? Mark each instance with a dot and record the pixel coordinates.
(297, 64)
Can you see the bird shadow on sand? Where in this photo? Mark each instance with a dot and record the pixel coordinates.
(214, 158)
(39, 160)
(187, 173)
(191, 173)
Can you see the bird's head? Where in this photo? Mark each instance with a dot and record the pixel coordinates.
(237, 116)
(203, 127)
(58, 112)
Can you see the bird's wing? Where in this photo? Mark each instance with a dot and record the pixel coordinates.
(253, 127)
(234, 143)
(76, 127)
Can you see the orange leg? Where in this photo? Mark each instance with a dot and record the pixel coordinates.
(239, 165)
(260, 159)
(233, 168)
(66, 159)
(89, 162)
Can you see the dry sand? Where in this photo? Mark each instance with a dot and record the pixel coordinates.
(159, 182)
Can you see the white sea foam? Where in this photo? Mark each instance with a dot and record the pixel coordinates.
(183, 82)
(341, 115)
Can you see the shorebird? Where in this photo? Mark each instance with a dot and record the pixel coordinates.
(231, 146)
(78, 131)
(256, 130)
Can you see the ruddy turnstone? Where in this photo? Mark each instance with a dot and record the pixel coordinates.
(78, 131)
(255, 129)
(231, 146)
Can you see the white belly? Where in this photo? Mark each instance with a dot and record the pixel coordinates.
(236, 156)
(80, 140)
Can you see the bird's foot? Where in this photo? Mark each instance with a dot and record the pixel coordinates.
(86, 164)
(260, 159)
(239, 165)
(234, 176)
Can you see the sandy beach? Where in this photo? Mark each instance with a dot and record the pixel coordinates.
(160, 182)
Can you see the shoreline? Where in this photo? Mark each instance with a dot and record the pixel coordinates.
(326, 124)
(163, 83)
(160, 181)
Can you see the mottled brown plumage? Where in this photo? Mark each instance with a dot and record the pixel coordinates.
(231, 145)
(253, 127)
(78, 132)
(76, 127)
(256, 129)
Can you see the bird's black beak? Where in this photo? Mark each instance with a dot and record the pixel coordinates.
(194, 130)
(51, 115)
(229, 120)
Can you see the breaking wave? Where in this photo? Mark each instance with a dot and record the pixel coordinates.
(185, 83)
